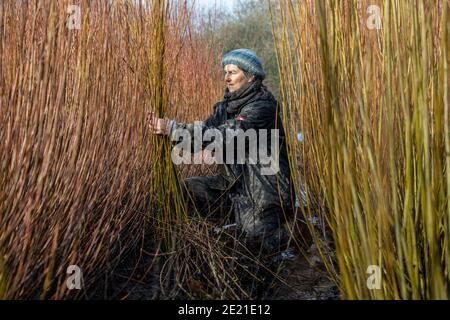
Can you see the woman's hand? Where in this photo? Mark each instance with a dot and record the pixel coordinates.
(158, 125)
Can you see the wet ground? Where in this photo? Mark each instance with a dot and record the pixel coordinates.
(299, 279)
(304, 280)
(137, 278)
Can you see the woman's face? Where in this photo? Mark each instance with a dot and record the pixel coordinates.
(235, 78)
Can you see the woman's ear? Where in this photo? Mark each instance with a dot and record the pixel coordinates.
(251, 79)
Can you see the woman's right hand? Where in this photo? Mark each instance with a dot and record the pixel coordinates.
(159, 126)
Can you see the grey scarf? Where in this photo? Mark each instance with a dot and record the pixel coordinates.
(235, 100)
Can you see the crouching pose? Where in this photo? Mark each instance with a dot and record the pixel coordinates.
(258, 193)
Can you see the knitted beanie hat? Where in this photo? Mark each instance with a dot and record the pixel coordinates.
(245, 59)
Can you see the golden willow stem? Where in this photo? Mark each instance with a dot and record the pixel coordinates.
(372, 104)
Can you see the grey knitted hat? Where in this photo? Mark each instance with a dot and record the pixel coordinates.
(245, 59)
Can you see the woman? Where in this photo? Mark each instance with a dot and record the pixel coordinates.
(261, 202)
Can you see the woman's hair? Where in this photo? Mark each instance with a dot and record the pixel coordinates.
(255, 77)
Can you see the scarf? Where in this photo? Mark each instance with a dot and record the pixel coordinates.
(235, 100)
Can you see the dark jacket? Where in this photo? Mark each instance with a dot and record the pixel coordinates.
(261, 201)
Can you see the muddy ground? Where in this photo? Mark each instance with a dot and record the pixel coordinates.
(138, 278)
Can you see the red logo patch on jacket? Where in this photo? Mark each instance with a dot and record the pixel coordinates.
(241, 118)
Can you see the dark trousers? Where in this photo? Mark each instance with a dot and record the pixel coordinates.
(208, 196)
(213, 198)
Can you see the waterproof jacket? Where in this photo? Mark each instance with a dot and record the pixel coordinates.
(261, 200)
